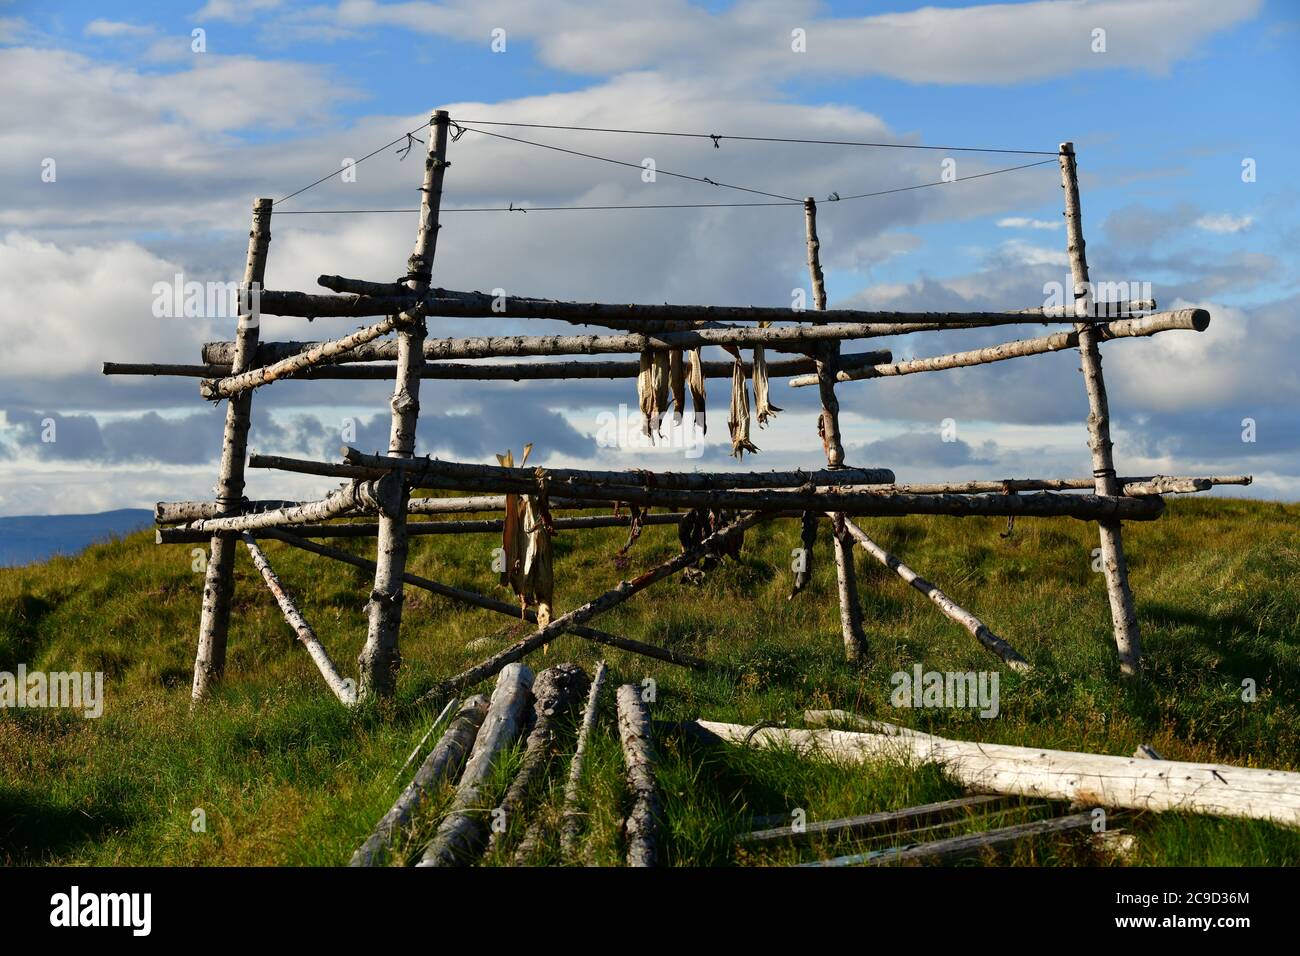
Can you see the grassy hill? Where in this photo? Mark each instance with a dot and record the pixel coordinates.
(285, 776)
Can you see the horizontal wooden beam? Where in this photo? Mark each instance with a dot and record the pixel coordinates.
(1197, 320)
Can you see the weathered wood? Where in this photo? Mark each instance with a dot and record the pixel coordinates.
(440, 302)
(848, 500)
(1194, 320)
(443, 763)
(437, 722)
(1099, 309)
(950, 608)
(1128, 639)
(380, 657)
(836, 718)
(423, 469)
(1093, 779)
(664, 654)
(185, 535)
(513, 372)
(571, 818)
(343, 689)
(355, 496)
(236, 384)
(642, 824)
(460, 838)
(555, 692)
(869, 823)
(1166, 486)
(219, 581)
(611, 598)
(846, 580)
(971, 845)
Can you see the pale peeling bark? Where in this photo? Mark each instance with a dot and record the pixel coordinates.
(219, 581)
(1128, 640)
(443, 763)
(950, 608)
(1192, 320)
(463, 831)
(380, 658)
(571, 820)
(642, 824)
(357, 496)
(1092, 779)
(343, 689)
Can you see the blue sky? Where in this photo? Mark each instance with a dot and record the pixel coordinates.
(160, 150)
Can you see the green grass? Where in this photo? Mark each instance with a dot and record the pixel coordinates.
(286, 776)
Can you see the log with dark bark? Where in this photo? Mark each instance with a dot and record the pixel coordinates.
(643, 819)
(555, 694)
(443, 763)
(571, 819)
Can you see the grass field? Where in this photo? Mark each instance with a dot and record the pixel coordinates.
(284, 775)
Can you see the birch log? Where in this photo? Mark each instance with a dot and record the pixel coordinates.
(1192, 320)
(571, 820)
(1091, 779)
(642, 825)
(950, 608)
(237, 384)
(555, 692)
(523, 479)
(343, 689)
(828, 428)
(443, 763)
(1128, 640)
(219, 580)
(357, 496)
(460, 837)
(443, 302)
(381, 657)
(611, 598)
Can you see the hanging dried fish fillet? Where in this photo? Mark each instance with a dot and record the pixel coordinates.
(739, 421)
(645, 392)
(538, 567)
(513, 540)
(695, 381)
(677, 380)
(762, 403)
(661, 378)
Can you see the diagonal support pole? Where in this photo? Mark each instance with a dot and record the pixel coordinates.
(1128, 640)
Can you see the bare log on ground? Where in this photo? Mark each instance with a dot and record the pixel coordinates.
(611, 598)
(344, 690)
(443, 763)
(642, 825)
(881, 822)
(834, 718)
(501, 607)
(1092, 779)
(950, 608)
(461, 836)
(555, 693)
(571, 820)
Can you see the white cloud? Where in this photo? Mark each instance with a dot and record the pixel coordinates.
(1023, 222)
(1225, 223)
(113, 28)
(236, 11)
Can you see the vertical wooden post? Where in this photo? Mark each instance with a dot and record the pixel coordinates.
(380, 657)
(828, 365)
(219, 580)
(1123, 615)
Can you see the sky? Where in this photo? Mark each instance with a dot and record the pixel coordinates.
(134, 138)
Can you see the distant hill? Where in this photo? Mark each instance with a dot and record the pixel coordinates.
(28, 538)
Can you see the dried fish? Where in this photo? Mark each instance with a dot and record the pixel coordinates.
(762, 403)
(739, 421)
(695, 381)
(677, 380)
(652, 386)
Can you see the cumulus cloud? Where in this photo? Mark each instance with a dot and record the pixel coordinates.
(1225, 223)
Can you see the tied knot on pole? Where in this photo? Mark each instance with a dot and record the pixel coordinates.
(404, 150)
(1011, 519)
(393, 600)
(716, 137)
(457, 131)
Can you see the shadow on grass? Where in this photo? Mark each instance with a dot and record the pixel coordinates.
(33, 829)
